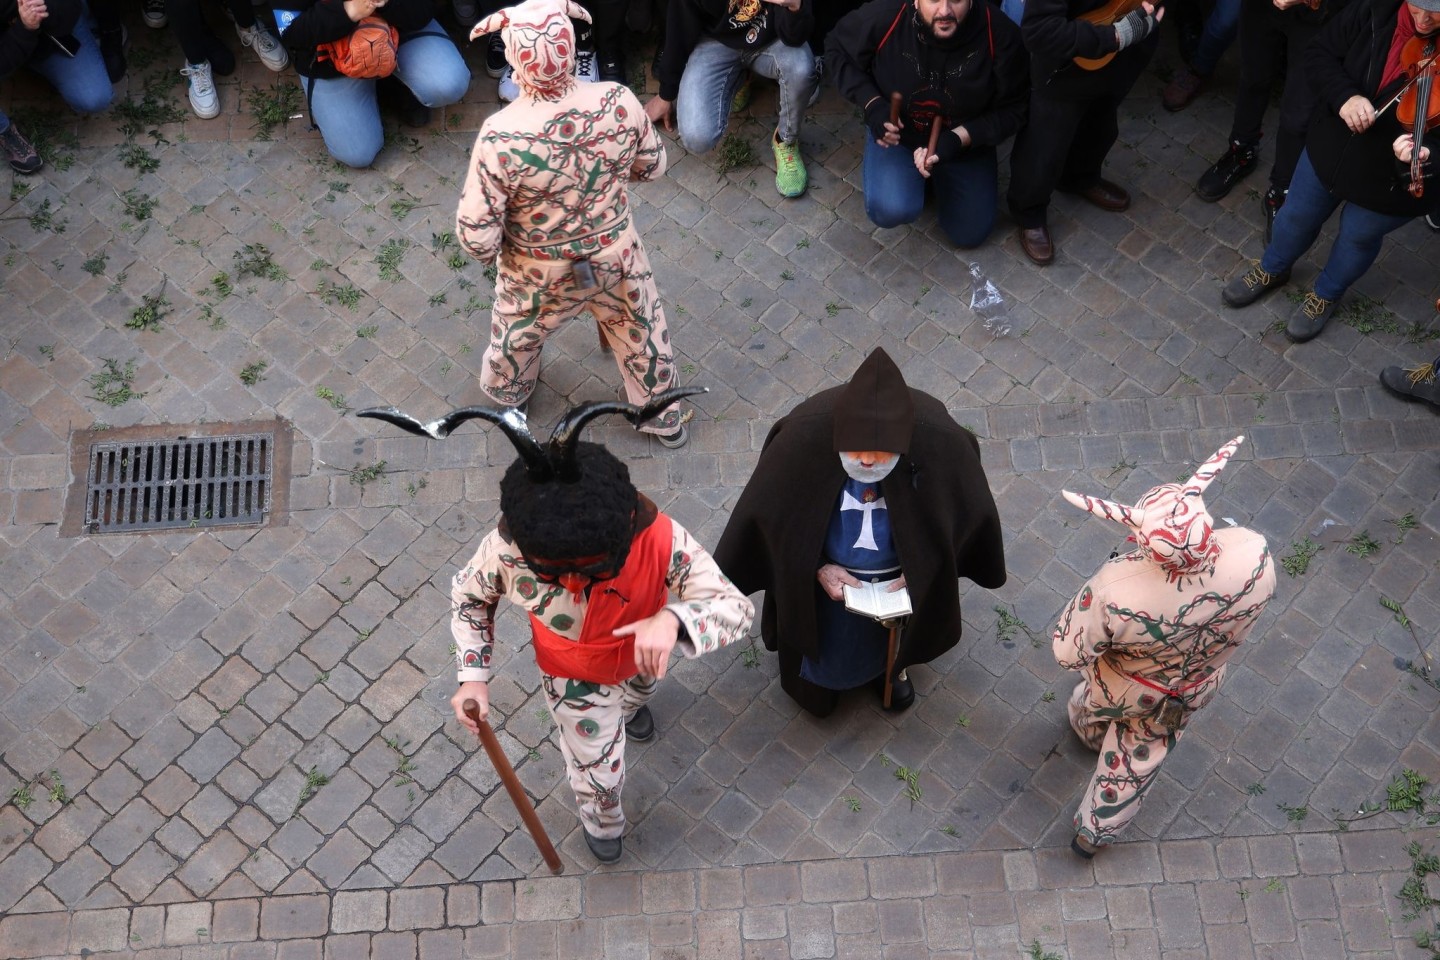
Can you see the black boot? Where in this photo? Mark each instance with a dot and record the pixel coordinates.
(1238, 163)
(606, 851)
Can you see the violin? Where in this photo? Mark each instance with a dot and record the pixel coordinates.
(1419, 105)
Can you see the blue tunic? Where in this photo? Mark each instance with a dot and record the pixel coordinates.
(852, 647)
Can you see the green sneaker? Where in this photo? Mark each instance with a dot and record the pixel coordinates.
(742, 95)
(790, 175)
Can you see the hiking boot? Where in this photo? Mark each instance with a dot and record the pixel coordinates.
(153, 12)
(741, 100)
(112, 51)
(606, 851)
(1270, 205)
(676, 438)
(1418, 383)
(641, 726)
(1184, 87)
(1252, 285)
(1238, 163)
(495, 62)
(204, 99)
(507, 89)
(19, 151)
(612, 66)
(1309, 318)
(587, 69)
(266, 47)
(790, 175)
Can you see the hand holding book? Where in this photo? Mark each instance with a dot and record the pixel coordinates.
(881, 600)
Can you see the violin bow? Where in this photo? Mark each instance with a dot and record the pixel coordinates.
(1420, 66)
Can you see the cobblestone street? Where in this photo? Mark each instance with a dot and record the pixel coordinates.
(236, 744)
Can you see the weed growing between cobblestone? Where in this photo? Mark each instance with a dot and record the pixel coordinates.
(750, 656)
(95, 265)
(1036, 952)
(1362, 544)
(1297, 562)
(853, 803)
(1294, 814)
(1255, 789)
(253, 373)
(22, 796)
(273, 107)
(256, 260)
(314, 780)
(348, 295)
(402, 208)
(360, 476)
(1404, 524)
(912, 783)
(111, 385)
(138, 205)
(336, 400)
(734, 153)
(391, 253)
(47, 350)
(44, 219)
(151, 311)
(1008, 624)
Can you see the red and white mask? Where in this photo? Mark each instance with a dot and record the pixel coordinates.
(539, 43)
(1170, 523)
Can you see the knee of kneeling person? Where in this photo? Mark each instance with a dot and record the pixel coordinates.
(698, 139)
(355, 154)
(89, 101)
(969, 234)
(887, 213)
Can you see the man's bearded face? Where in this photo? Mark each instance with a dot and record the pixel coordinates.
(943, 16)
(868, 466)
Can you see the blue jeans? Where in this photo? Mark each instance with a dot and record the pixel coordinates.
(345, 110)
(1307, 207)
(81, 80)
(1221, 28)
(712, 75)
(966, 193)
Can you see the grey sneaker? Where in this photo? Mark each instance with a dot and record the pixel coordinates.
(204, 99)
(1252, 285)
(1310, 318)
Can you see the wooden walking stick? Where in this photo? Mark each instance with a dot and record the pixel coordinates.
(890, 652)
(934, 137)
(512, 786)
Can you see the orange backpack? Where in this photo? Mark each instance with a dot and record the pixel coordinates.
(369, 50)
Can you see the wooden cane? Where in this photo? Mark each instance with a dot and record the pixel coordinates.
(512, 786)
(934, 137)
(890, 653)
(896, 99)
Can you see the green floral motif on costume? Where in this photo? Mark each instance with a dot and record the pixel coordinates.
(561, 621)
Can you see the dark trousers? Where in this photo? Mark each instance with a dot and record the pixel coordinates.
(1268, 39)
(1062, 146)
(197, 41)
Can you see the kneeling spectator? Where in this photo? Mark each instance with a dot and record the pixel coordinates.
(53, 39)
(709, 44)
(959, 63)
(428, 71)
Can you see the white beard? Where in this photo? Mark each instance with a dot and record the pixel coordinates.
(863, 474)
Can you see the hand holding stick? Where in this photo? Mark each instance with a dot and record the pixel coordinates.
(934, 137)
(512, 786)
(896, 99)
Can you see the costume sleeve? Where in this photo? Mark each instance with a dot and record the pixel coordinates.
(1083, 633)
(1325, 56)
(480, 218)
(850, 52)
(795, 28)
(1011, 103)
(1050, 33)
(476, 589)
(711, 609)
(650, 159)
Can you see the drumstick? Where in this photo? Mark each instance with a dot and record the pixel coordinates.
(934, 137)
(523, 806)
(896, 99)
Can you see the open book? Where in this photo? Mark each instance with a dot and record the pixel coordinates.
(875, 600)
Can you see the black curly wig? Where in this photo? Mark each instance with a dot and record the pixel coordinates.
(557, 521)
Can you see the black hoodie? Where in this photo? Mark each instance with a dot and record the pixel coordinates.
(753, 25)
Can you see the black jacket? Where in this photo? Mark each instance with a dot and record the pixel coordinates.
(755, 25)
(1345, 59)
(979, 79)
(942, 515)
(1055, 37)
(321, 21)
(20, 45)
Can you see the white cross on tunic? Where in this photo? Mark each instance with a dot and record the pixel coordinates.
(866, 540)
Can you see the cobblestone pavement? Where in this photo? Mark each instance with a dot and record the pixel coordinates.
(235, 744)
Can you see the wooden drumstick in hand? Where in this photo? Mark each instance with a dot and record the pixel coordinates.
(896, 99)
(934, 137)
(523, 806)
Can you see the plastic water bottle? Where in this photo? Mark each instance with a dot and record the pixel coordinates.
(987, 303)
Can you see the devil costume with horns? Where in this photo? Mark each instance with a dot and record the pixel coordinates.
(1150, 634)
(546, 190)
(593, 562)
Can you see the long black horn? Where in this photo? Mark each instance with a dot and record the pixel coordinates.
(566, 435)
(510, 421)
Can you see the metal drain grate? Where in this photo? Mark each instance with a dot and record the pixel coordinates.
(132, 486)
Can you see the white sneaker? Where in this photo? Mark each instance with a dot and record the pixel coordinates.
(586, 68)
(508, 89)
(265, 45)
(204, 99)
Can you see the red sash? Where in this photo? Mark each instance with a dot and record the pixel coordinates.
(638, 592)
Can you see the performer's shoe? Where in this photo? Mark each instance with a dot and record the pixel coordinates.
(1110, 197)
(675, 440)
(1083, 848)
(902, 693)
(606, 851)
(640, 727)
(1035, 242)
